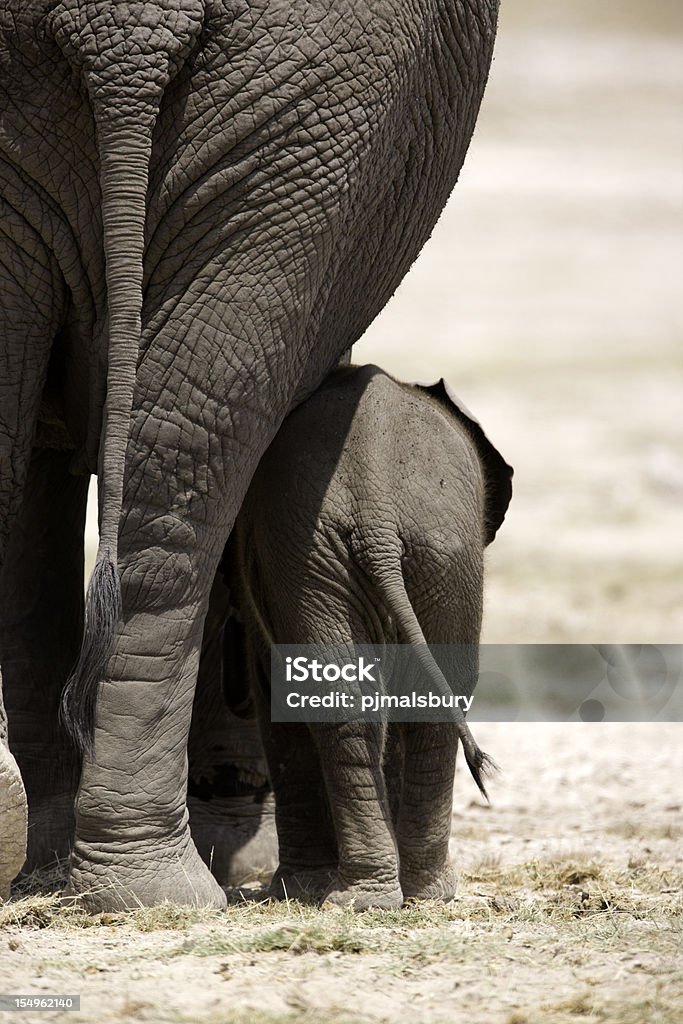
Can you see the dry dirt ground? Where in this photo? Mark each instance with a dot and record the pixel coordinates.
(550, 297)
(570, 909)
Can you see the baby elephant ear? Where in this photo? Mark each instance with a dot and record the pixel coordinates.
(497, 472)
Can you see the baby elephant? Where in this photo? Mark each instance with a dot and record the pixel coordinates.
(366, 523)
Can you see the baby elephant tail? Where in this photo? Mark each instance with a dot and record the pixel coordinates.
(480, 764)
(392, 588)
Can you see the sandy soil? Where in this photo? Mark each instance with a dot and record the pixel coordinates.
(570, 908)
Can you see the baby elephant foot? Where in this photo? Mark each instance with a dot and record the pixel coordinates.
(430, 885)
(364, 895)
(235, 836)
(301, 883)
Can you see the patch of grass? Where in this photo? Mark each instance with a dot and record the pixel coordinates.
(30, 911)
(590, 900)
(290, 937)
(53, 910)
(435, 933)
(661, 1007)
(574, 887)
(166, 917)
(579, 1004)
(49, 879)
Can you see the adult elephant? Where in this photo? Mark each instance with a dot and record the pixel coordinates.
(205, 203)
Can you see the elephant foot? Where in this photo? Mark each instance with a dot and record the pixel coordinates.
(365, 895)
(235, 837)
(13, 820)
(439, 885)
(111, 877)
(301, 883)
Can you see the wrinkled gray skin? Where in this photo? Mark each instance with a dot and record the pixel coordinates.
(230, 801)
(231, 815)
(366, 523)
(13, 811)
(204, 204)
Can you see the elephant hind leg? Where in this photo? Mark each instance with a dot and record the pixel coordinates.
(424, 823)
(307, 846)
(306, 841)
(232, 817)
(367, 875)
(347, 762)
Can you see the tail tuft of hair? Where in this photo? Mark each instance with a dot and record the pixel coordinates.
(480, 765)
(102, 614)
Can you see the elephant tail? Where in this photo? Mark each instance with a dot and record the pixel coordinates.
(125, 62)
(124, 161)
(392, 588)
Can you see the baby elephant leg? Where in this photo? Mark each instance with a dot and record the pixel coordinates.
(424, 821)
(306, 842)
(351, 758)
(308, 849)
